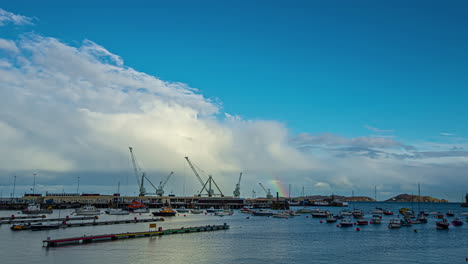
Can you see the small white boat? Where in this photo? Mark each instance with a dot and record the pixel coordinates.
(262, 213)
(221, 213)
(197, 211)
(376, 219)
(377, 211)
(394, 223)
(87, 210)
(141, 210)
(346, 212)
(211, 210)
(182, 210)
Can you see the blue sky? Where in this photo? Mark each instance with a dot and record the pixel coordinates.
(336, 81)
(317, 67)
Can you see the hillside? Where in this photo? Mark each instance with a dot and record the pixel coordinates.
(415, 198)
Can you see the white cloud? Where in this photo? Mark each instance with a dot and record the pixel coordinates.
(447, 134)
(66, 110)
(8, 17)
(9, 46)
(378, 130)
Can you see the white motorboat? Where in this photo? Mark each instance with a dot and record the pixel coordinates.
(182, 210)
(197, 211)
(87, 210)
(376, 219)
(116, 211)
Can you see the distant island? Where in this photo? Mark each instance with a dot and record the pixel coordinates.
(415, 198)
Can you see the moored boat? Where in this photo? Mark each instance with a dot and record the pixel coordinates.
(362, 221)
(442, 225)
(345, 223)
(346, 212)
(281, 215)
(387, 212)
(376, 220)
(304, 211)
(165, 211)
(87, 210)
(450, 213)
(357, 213)
(116, 211)
(262, 213)
(197, 211)
(405, 222)
(182, 210)
(138, 207)
(377, 211)
(320, 214)
(36, 209)
(394, 223)
(457, 222)
(331, 219)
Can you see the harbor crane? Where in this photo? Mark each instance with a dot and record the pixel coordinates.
(268, 193)
(160, 189)
(237, 189)
(206, 186)
(137, 171)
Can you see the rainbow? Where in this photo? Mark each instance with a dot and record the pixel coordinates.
(280, 188)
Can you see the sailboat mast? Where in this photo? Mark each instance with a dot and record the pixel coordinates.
(419, 197)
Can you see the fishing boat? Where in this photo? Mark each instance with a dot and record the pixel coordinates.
(197, 211)
(331, 219)
(345, 223)
(387, 212)
(291, 213)
(442, 225)
(116, 211)
(440, 215)
(182, 210)
(165, 211)
(262, 213)
(87, 210)
(394, 223)
(36, 209)
(409, 214)
(376, 220)
(450, 213)
(457, 222)
(377, 211)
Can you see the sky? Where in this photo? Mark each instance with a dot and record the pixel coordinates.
(331, 96)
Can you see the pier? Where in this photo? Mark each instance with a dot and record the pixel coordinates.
(96, 223)
(13, 217)
(111, 237)
(24, 221)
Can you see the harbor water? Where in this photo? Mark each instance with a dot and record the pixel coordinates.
(251, 239)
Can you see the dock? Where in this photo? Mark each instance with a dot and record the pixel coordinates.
(111, 237)
(13, 217)
(24, 221)
(94, 223)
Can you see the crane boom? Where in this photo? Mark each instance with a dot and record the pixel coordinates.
(237, 189)
(136, 169)
(268, 193)
(162, 184)
(195, 172)
(263, 187)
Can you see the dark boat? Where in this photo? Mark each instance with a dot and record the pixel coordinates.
(165, 212)
(405, 222)
(450, 213)
(444, 224)
(345, 223)
(457, 222)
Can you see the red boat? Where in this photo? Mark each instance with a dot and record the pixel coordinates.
(387, 212)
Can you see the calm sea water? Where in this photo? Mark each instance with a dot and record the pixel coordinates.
(255, 240)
